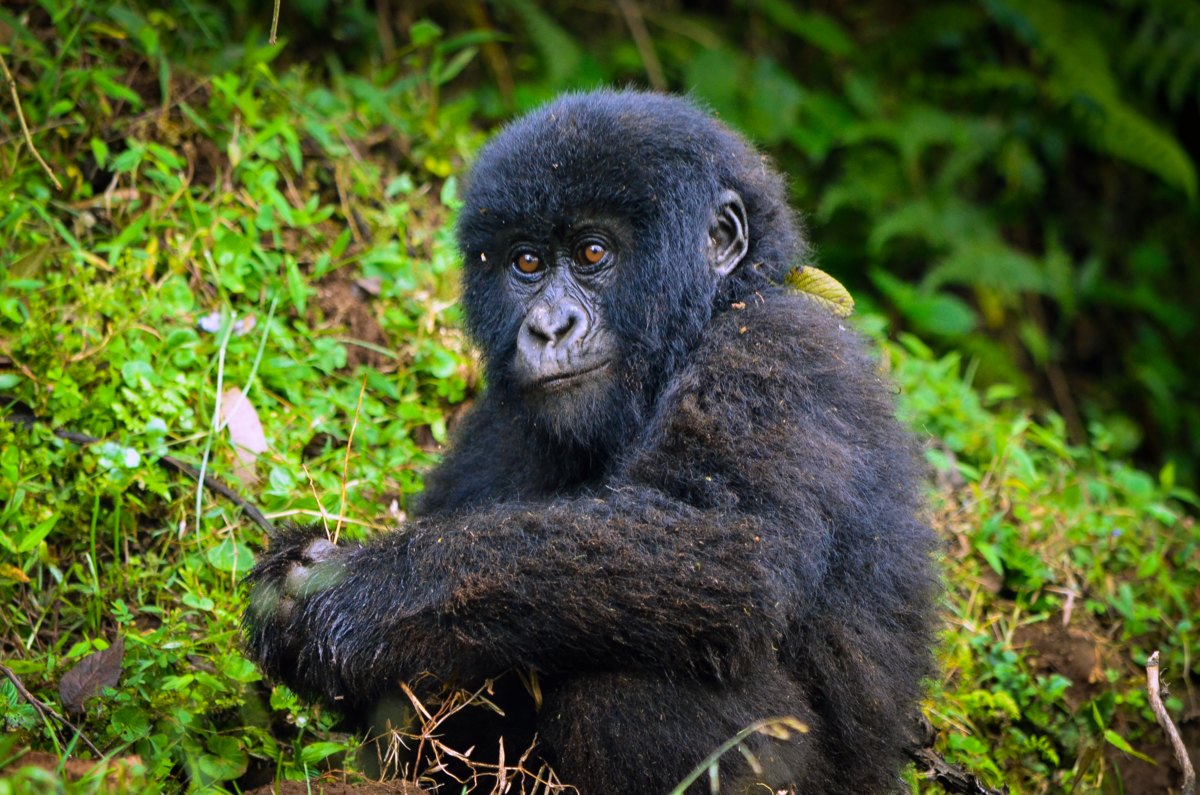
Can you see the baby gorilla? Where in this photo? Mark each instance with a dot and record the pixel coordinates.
(683, 499)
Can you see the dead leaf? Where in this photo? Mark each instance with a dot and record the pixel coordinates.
(91, 675)
(371, 285)
(13, 573)
(245, 431)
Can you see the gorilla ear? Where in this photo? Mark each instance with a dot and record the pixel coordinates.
(728, 234)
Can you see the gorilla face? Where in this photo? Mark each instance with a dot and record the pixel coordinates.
(594, 250)
(564, 344)
(580, 346)
(566, 359)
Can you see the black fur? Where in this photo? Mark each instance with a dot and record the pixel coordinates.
(733, 534)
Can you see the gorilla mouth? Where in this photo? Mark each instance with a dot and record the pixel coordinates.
(569, 378)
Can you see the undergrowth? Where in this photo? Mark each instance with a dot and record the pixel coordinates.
(287, 232)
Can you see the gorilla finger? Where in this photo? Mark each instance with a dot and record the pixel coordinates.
(295, 580)
(320, 549)
(284, 609)
(304, 580)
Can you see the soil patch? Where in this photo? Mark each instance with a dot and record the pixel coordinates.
(346, 303)
(1069, 651)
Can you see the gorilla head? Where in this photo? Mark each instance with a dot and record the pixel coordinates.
(600, 233)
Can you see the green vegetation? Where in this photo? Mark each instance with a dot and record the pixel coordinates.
(1015, 179)
(277, 218)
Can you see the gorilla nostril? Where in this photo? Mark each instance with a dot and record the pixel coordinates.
(557, 326)
(564, 328)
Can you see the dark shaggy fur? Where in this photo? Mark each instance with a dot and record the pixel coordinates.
(734, 535)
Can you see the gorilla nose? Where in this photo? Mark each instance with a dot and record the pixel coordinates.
(557, 326)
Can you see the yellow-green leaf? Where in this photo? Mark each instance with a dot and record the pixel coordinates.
(822, 288)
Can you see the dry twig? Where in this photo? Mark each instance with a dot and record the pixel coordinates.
(45, 710)
(19, 414)
(12, 87)
(208, 481)
(645, 47)
(954, 779)
(433, 759)
(930, 765)
(1153, 687)
(346, 466)
(951, 777)
(493, 53)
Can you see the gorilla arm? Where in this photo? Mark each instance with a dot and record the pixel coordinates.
(632, 580)
(695, 557)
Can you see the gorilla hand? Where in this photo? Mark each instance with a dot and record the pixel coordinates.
(287, 584)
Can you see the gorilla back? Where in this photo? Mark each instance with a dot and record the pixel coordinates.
(683, 498)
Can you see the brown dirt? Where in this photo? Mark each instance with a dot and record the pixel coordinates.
(344, 303)
(1070, 651)
(1082, 657)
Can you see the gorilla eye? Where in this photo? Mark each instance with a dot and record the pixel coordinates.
(528, 263)
(591, 254)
